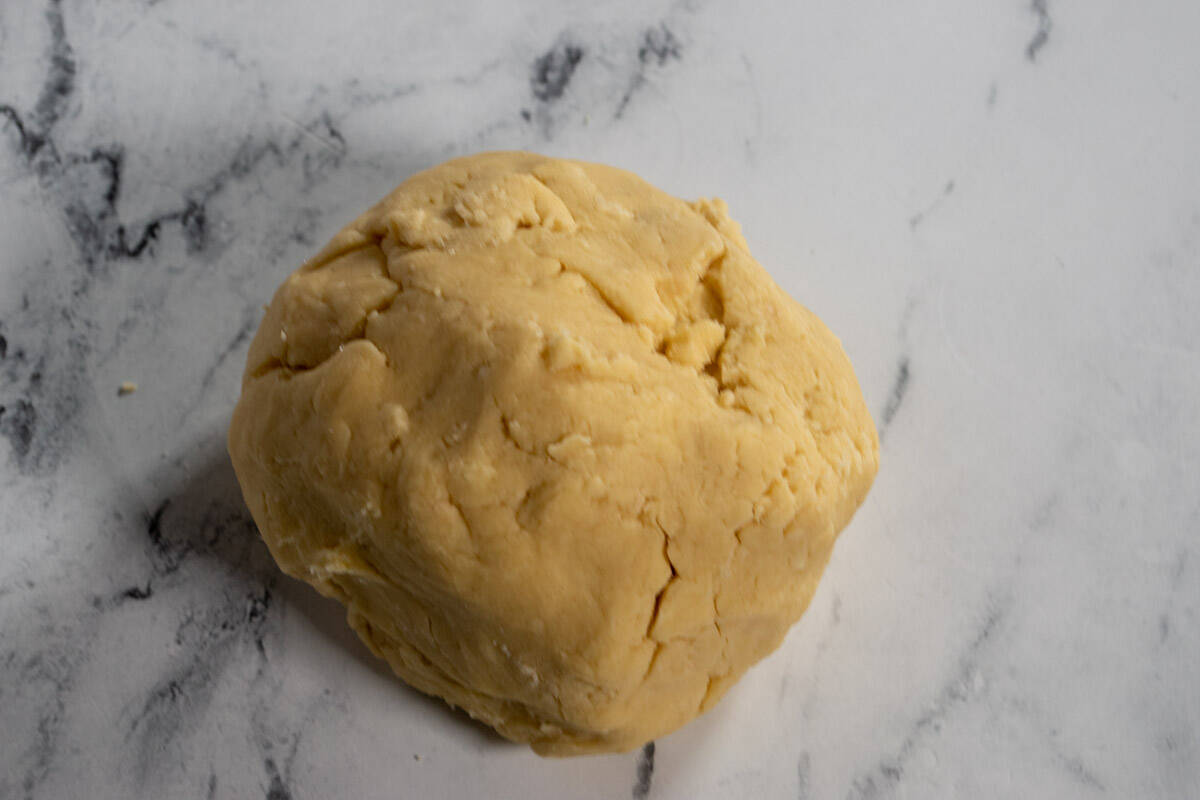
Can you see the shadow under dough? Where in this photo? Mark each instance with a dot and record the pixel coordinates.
(205, 517)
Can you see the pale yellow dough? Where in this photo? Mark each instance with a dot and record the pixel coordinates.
(569, 456)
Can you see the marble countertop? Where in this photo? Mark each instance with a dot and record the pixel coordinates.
(995, 206)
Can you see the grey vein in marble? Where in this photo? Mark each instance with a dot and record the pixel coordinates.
(659, 45)
(1041, 11)
(916, 219)
(888, 774)
(895, 397)
(553, 69)
(645, 773)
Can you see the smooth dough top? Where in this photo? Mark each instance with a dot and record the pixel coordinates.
(569, 456)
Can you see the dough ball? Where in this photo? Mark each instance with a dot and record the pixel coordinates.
(570, 458)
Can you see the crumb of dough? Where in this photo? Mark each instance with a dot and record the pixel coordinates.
(126, 388)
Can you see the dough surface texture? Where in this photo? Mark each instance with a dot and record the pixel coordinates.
(568, 455)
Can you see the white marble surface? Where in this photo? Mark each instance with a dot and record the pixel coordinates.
(995, 205)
